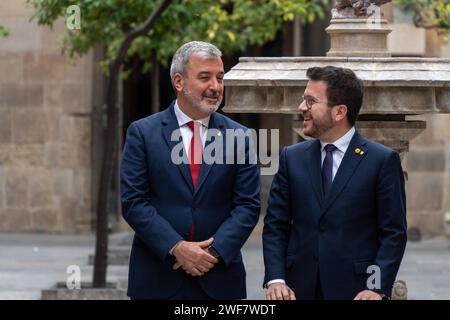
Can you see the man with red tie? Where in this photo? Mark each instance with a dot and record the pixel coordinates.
(190, 219)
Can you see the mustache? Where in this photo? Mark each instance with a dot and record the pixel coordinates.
(211, 94)
(306, 115)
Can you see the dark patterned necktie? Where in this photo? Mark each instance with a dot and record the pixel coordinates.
(327, 168)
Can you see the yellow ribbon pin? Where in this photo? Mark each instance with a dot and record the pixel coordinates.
(358, 151)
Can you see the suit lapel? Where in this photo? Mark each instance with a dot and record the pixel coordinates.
(214, 123)
(169, 125)
(314, 164)
(346, 169)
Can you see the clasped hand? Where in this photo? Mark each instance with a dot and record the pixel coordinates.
(194, 257)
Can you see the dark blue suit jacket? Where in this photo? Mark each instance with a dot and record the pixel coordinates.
(159, 202)
(361, 222)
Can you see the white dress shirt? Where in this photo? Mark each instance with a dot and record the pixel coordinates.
(186, 132)
(342, 145)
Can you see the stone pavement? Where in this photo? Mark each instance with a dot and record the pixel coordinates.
(31, 262)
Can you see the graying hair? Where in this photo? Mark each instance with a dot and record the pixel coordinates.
(184, 53)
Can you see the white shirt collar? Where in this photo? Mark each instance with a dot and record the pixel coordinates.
(182, 118)
(343, 142)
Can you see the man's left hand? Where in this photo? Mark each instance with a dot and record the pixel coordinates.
(368, 295)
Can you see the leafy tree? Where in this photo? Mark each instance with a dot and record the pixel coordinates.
(232, 25)
(4, 32)
(429, 13)
(125, 28)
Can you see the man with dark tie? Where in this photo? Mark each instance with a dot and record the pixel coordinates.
(190, 218)
(335, 226)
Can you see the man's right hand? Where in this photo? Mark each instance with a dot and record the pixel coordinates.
(193, 257)
(279, 291)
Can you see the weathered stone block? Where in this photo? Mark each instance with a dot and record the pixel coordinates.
(427, 136)
(417, 99)
(51, 155)
(72, 97)
(27, 155)
(40, 67)
(430, 223)
(11, 65)
(29, 126)
(3, 221)
(14, 9)
(424, 191)
(82, 186)
(406, 39)
(25, 35)
(113, 291)
(68, 156)
(50, 37)
(41, 189)
(18, 219)
(22, 95)
(16, 188)
(44, 220)
(53, 118)
(70, 210)
(81, 71)
(430, 159)
(5, 125)
(75, 129)
(2, 189)
(4, 153)
(63, 182)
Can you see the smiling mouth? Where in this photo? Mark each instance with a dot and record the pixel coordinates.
(214, 99)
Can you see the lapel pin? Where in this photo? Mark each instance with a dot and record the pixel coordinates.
(358, 151)
(219, 134)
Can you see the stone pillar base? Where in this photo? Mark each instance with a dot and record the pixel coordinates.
(358, 38)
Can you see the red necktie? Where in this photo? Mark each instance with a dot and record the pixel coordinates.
(195, 160)
(195, 151)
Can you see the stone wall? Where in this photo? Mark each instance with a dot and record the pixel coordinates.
(45, 129)
(428, 162)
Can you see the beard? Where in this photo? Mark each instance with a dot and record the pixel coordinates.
(318, 126)
(207, 103)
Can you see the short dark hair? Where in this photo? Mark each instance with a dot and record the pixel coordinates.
(343, 87)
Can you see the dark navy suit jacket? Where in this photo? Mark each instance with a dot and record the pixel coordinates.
(361, 221)
(159, 202)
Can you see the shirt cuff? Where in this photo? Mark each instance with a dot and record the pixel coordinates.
(274, 281)
(173, 248)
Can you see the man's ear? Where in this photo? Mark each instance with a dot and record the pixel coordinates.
(177, 82)
(341, 112)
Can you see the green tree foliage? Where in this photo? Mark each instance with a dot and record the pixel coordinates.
(429, 13)
(232, 25)
(4, 32)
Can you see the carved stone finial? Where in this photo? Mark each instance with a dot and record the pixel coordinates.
(355, 9)
(400, 291)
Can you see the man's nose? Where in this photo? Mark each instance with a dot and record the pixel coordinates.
(216, 85)
(302, 106)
